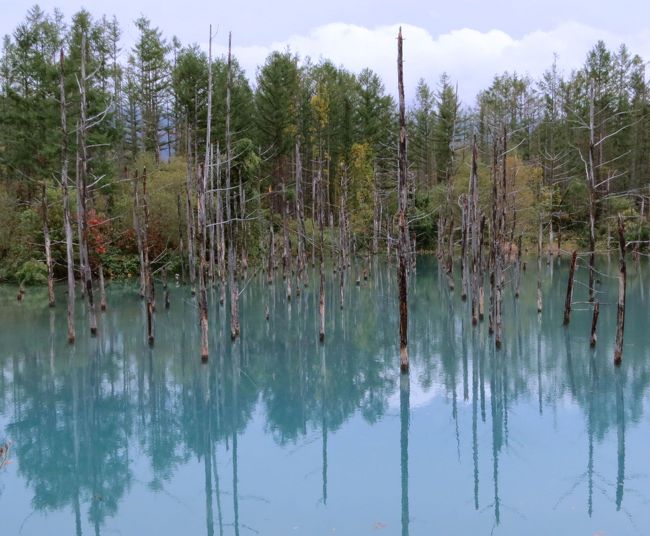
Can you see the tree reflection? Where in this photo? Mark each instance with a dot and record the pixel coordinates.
(78, 418)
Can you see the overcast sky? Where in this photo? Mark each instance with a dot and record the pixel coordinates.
(471, 40)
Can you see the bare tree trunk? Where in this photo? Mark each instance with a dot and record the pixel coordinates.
(165, 287)
(300, 214)
(212, 222)
(622, 284)
(202, 222)
(181, 246)
(102, 289)
(494, 238)
(376, 218)
(342, 236)
(271, 257)
(402, 188)
(474, 233)
(138, 237)
(48, 252)
(539, 266)
(190, 218)
(321, 269)
(481, 278)
(569, 289)
(463, 246)
(286, 242)
(594, 323)
(518, 267)
(221, 234)
(82, 180)
(591, 183)
(234, 292)
(148, 279)
(66, 207)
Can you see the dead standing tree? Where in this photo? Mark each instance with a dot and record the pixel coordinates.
(148, 278)
(66, 205)
(82, 189)
(48, 250)
(402, 193)
(569, 289)
(300, 214)
(201, 219)
(622, 284)
(473, 220)
(232, 263)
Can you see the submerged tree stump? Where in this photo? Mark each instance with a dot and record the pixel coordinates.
(569, 289)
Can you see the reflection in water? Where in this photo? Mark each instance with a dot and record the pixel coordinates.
(84, 420)
(404, 409)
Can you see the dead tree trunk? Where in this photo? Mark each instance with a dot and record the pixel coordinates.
(321, 267)
(181, 246)
(622, 284)
(594, 323)
(402, 191)
(189, 190)
(474, 233)
(66, 206)
(202, 221)
(481, 277)
(376, 218)
(165, 286)
(300, 214)
(83, 184)
(232, 280)
(148, 279)
(539, 266)
(569, 289)
(494, 239)
(102, 289)
(518, 267)
(221, 234)
(342, 236)
(591, 183)
(286, 241)
(463, 246)
(137, 227)
(211, 217)
(48, 251)
(271, 260)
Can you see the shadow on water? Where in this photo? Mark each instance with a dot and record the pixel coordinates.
(82, 419)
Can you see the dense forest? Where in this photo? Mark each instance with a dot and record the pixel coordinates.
(177, 164)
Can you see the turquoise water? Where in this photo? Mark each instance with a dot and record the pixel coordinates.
(277, 435)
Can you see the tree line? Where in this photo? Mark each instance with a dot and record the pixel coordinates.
(172, 162)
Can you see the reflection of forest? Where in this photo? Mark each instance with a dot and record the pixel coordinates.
(75, 413)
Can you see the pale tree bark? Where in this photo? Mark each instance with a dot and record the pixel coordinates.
(300, 214)
(622, 287)
(66, 206)
(82, 179)
(137, 228)
(202, 223)
(474, 233)
(232, 262)
(148, 279)
(402, 192)
(48, 251)
(321, 267)
(189, 191)
(102, 289)
(569, 290)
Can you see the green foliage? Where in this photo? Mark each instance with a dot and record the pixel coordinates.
(32, 272)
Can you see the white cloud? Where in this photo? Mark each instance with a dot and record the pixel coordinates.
(470, 57)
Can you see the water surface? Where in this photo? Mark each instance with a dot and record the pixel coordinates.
(278, 435)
